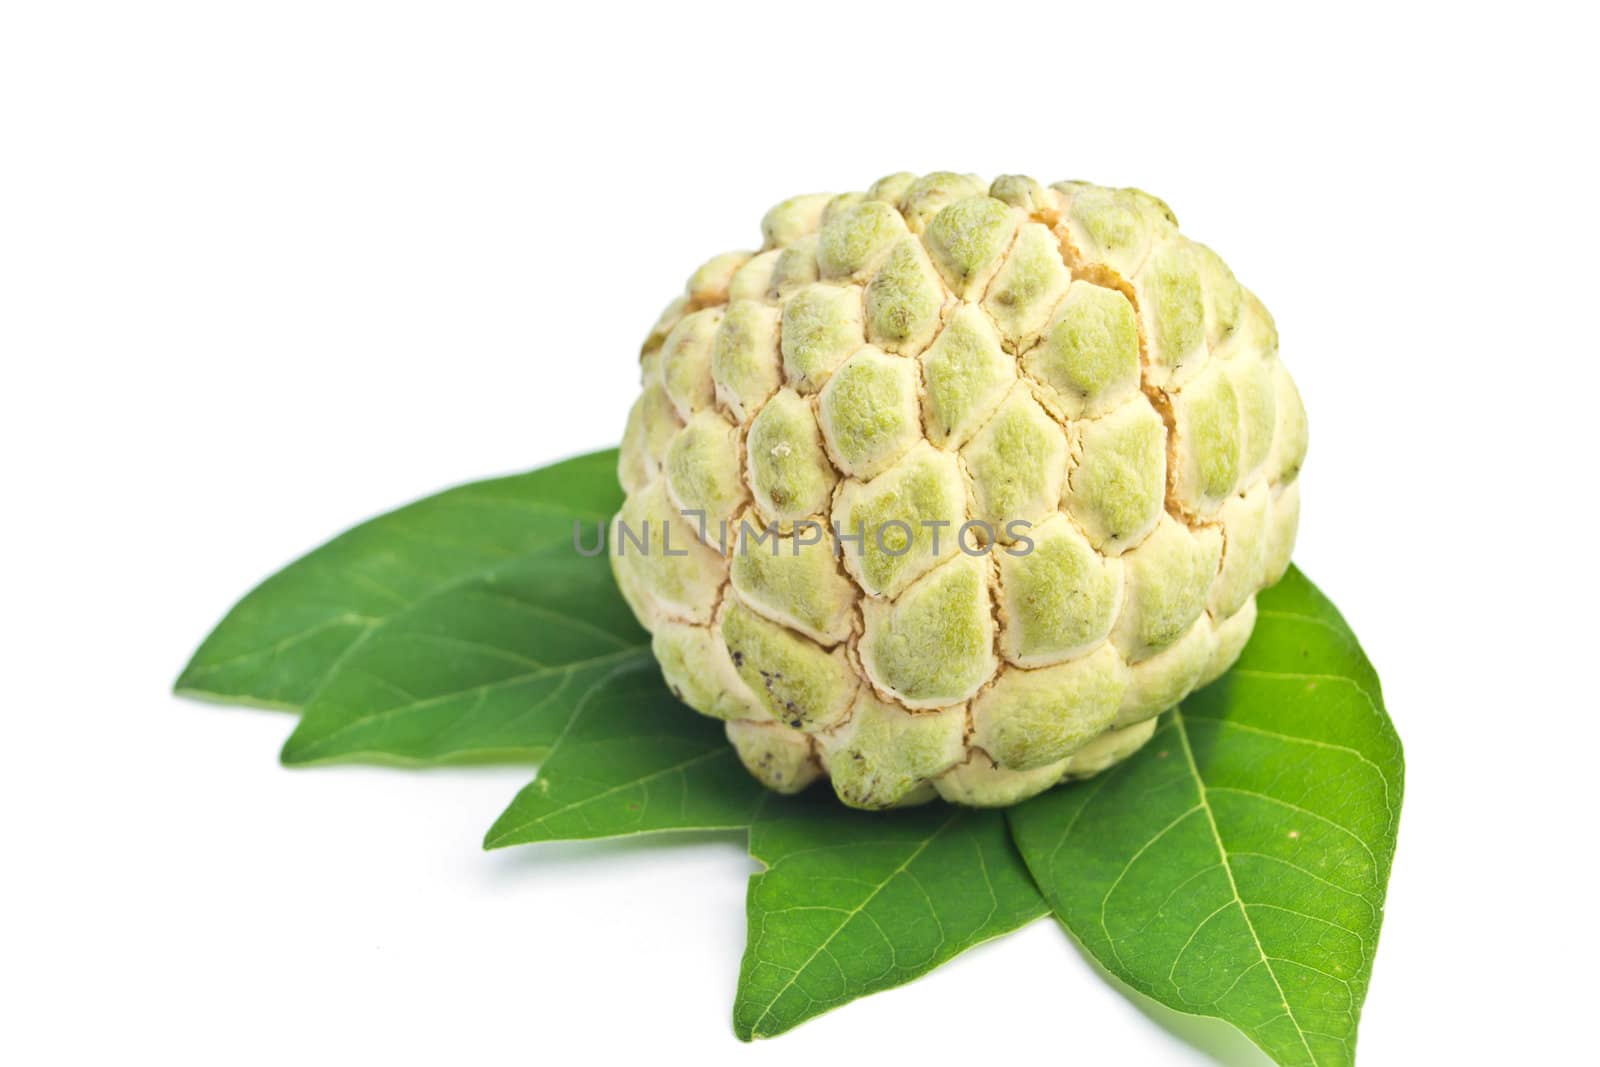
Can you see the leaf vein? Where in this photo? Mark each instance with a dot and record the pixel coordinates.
(1216, 836)
(921, 847)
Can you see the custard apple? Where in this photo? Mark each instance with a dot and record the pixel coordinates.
(950, 489)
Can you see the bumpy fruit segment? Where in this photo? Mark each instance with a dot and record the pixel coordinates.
(950, 488)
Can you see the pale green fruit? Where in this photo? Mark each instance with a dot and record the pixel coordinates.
(963, 485)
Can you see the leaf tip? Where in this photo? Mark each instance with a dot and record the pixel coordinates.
(187, 684)
(298, 750)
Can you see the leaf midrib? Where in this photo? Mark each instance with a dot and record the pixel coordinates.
(766, 1013)
(377, 624)
(1233, 886)
(500, 840)
(272, 648)
(192, 673)
(568, 669)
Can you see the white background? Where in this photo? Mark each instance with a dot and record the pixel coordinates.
(268, 269)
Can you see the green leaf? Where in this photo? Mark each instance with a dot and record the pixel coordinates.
(463, 625)
(852, 903)
(1236, 866)
(633, 760)
(492, 665)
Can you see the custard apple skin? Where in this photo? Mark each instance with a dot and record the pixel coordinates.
(950, 489)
